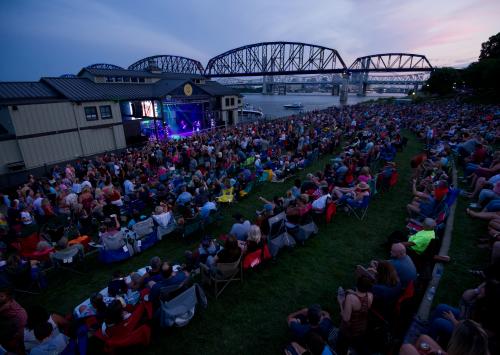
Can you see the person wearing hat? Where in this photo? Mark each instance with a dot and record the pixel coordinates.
(352, 196)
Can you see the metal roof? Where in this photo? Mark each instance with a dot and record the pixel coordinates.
(117, 72)
(138, 73)
(164, 86)
(26, 90)
(83, 89)
(216, 89)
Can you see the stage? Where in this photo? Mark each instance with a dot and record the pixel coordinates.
(168, 119)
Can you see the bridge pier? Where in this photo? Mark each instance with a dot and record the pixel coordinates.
(335, 90)
(281, 89)
(267, 85)
(344, 89)
(362, 88)
(362, 79)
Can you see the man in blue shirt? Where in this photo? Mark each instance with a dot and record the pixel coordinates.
(403, 264)
(184, 197)
(169, 278)
(240, 228)
(206, 208)
(129, 186)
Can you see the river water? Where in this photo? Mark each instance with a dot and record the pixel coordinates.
(272, 105)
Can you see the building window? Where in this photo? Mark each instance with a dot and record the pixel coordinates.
(227, 101)
(110, 79)
(106, 112)
(141, 80)
(134, 80)
(232, 101)
(91, 113)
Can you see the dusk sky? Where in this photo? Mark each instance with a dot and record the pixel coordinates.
(53, 37)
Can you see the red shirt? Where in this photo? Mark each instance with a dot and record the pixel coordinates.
(13, 310)
(479, 155)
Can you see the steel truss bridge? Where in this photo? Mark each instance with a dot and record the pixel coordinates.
(275, 58)
(271, 60)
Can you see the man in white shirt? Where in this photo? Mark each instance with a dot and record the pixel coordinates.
(162, 217)
(320, 203)
(129, 186)
(76, 187)
(37, 204)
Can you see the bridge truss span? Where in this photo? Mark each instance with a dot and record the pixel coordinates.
(400, 79)
(391, 62)
(276, 58)
(169, 64)
(103, 66)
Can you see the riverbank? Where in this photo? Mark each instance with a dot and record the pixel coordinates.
(272, 105)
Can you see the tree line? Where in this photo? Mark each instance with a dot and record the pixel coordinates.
(479, 78)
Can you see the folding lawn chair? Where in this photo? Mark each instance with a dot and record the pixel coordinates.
(69, 259)
(247, 189)
(192, 226)
(115, 248)
(146, 234)
(179, 310)
(278, 236)
(359, 209)
(227, 196)
(256, 258)
(223, 273)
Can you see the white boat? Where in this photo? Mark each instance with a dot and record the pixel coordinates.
(294, 106)
(250, 113)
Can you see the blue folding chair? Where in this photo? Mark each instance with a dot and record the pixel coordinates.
(359, 208)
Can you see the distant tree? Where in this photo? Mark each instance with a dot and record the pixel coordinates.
(491, 48)
(484, 74)
(443, 81)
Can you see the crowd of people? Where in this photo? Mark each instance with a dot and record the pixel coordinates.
(386, 292)
(468, 133)
(180, 180)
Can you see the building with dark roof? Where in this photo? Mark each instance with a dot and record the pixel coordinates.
(105, 108)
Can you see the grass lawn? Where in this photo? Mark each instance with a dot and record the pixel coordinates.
(249, 317)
